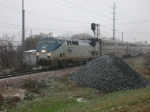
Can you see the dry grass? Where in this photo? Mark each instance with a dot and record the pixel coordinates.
(1, 99)
(138, 65)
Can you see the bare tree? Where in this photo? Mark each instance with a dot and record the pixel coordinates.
(31, 42)
(7, 52)
(81, 36)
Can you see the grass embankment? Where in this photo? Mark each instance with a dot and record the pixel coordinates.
(57, 95)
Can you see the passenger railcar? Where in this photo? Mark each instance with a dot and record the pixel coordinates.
(62, 52)
(112, 47)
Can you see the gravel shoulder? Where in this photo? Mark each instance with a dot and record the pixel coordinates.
(37, 76)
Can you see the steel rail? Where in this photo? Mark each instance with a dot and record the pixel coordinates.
(15, 74)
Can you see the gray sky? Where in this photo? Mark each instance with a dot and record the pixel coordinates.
(75, 16)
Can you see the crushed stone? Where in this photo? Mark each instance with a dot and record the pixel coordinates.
(108, 73)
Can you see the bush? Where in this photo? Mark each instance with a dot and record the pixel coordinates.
(15, 99)
(147, 61)
(1, 99)
(30, 84)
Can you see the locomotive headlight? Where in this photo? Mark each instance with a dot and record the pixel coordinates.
(43, 51)
(48, 54)
(37, 54)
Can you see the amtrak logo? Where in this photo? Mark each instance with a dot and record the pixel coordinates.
(69, 51)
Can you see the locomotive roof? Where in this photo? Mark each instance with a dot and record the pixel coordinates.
(67, 39)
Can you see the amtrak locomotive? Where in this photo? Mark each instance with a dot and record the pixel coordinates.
(54, 52)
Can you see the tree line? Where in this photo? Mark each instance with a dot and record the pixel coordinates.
(11, 48)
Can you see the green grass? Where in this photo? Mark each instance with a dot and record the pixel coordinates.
(61, 96)
(68, 102)
(92, 101)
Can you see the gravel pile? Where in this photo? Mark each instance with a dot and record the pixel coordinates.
(108, 73)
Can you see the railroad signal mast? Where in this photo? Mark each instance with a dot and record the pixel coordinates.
(95, 27)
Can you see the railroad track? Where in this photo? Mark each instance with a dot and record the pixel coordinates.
(15, 74)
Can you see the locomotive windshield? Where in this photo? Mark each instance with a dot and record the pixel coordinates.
(46, 41)
(48, 44)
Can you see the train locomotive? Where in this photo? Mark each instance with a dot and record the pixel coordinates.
(52, 52)
(63, 52)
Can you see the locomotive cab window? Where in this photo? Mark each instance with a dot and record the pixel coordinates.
(73, 42)
(60, 54)
(77, 43)
(59, 41)
(70, 42)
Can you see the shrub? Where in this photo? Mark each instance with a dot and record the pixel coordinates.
(15, 99)
(147, 61)
(1, 99)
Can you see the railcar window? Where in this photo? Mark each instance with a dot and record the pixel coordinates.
(120, 44)
(103, 43)
(77, 43)
(143, 45)
(132, 45)
(110, 44)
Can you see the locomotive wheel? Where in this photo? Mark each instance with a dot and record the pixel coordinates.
(64, 64)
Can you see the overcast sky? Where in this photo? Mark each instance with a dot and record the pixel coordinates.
(75, 16)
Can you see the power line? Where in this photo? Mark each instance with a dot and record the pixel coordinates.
(85, 9)
(104, 2)
(97, 6)
(44, 16)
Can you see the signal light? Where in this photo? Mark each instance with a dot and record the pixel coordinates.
(93, 26)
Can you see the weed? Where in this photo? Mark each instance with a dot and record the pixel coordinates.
(15, 99)
(1, 99)
(32, 85)
(29, 96)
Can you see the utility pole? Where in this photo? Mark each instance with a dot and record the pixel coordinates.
(23, 31)
(114, 22)
(122, 36)
(31, 39)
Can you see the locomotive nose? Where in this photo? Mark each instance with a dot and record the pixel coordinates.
(43, 55)
(48, 55)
